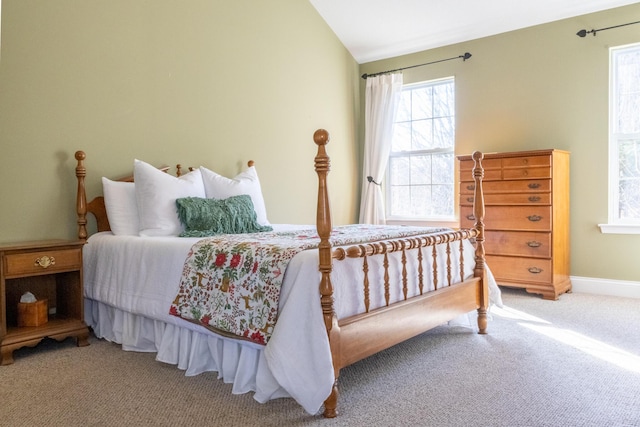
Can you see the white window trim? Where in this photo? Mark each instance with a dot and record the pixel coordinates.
(615, 225)
(619, 229)
(427, 221)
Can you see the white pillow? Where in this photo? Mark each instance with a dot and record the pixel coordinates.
(156, 194)
(219, 187)
(120, 203)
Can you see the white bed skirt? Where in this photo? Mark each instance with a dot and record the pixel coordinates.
(238, 363)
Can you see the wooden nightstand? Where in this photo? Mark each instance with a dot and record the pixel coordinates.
(51, 270)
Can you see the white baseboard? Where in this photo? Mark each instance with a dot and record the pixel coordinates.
(618, 288)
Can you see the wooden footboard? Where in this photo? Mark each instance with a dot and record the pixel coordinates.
(363, 335)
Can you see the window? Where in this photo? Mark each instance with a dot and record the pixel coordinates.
(420, 174)
(624, 139)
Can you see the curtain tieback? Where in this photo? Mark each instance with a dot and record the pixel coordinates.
(370, 179)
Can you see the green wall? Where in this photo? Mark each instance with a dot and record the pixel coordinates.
(544, 87)
(196, 82)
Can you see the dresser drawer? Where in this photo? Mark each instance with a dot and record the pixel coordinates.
(516, 218)
(518, 243)
(526, 161)
(42, 262)
(510, 199)
(526, 173)
(532, 270)
(466, 166)
(502, 187)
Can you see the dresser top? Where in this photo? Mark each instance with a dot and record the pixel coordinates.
(528, 153)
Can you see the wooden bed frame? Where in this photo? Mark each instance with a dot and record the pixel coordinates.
(357, 337)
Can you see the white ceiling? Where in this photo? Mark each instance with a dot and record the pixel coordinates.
(379, 29)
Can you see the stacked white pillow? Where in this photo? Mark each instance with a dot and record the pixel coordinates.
(148, 206)
(219, 187)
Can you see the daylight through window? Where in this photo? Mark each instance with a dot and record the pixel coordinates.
(624, 162)
(420, 174)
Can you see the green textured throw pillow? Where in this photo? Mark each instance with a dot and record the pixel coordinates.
(208, 217)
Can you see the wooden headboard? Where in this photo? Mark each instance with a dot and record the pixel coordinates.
(96, 206)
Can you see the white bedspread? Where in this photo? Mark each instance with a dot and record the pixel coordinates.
(130, 282)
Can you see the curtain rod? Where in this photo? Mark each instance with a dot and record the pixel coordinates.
(583, 33)
(464, 57)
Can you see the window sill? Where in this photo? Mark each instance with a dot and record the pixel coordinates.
(453, 223)
(619, 228)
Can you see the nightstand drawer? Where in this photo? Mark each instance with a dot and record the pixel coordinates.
(42, 262)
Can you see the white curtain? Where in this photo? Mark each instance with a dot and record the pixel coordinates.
(382, 97)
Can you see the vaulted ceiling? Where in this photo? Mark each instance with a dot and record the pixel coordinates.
(379, 29)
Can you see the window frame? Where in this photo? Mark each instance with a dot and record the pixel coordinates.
(439, 220)
(616, 224)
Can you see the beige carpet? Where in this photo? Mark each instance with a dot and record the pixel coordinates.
(572, 362)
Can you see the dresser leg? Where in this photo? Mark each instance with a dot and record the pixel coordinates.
(6, 356)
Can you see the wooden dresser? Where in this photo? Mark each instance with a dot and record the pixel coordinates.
(527, 218)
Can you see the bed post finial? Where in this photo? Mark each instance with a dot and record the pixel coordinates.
(323, 224)
(478, 213)
(81, 197)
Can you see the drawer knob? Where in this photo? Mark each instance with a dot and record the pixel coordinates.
(534, 185)
(535, 270)
(534, 244)
(471, 217)
(534, 198)
(534, 218)
(45, 261)
(471, 187)
(469, 199)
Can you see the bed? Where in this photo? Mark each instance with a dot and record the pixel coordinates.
(340, 299)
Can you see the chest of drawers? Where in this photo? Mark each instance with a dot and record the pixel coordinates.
(526, 218)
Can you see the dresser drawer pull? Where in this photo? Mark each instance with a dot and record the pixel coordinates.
(469, 199)
(45, 261)
(534, 185)
(471, 217)
(535, 270)
(534, 198)
(534, 244)
(534, 218)
(471, 187)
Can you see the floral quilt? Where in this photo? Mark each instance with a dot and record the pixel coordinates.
(231, 283)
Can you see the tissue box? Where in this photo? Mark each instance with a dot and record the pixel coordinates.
(33, 313)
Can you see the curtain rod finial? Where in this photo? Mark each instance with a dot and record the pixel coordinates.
(364, 76)
(466, 56)
(581, 33)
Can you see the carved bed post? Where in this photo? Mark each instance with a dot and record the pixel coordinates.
(81, 198)
(323, 224)
(480, 269)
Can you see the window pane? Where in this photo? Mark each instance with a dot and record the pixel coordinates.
(401, 137)
(420, 170)
(443, 100)
(421, 135)
(443, 132)
(420, 200)
(629, 184)
(421, 103)
(443, 169)
(399, 172)
(442, 200)
(404, 108)
(627, 77)
(401, 200)
(420, 180)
